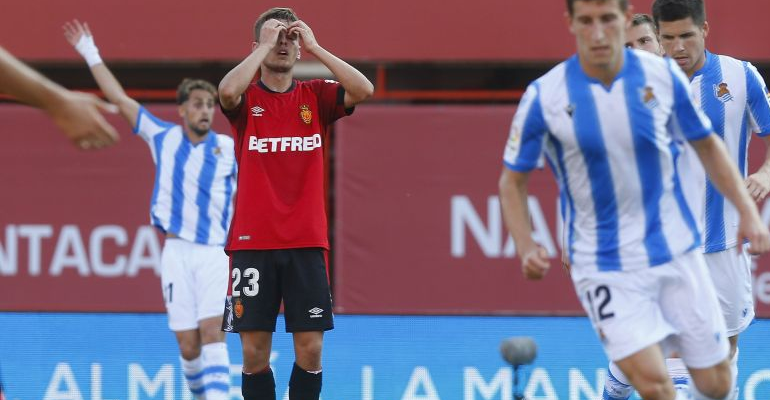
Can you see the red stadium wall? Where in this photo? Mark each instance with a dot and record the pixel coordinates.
(418, 224)
(74, 232)
(393, 30)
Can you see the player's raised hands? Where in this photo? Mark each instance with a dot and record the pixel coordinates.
(79, 115)
(304, 33)
(74, 31)
(271, 32)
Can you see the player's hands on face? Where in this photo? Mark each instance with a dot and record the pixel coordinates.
(304, 33)
(74, 31)
(79, 115)
(756, 232)
(534, 262)
(758, 185)
(271, 31)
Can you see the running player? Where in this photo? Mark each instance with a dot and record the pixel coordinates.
(278, 240)
(77, 114)
(643, 35)
(192, 205)
(734, 97)
(605, 119)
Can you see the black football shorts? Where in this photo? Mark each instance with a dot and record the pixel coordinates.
(260, 279)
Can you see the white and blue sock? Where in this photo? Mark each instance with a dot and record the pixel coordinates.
(616, 386)
(192, 374)
(216, 371)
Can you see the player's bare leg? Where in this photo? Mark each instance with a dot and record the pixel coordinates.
(205, 361)
(306, 376)
(713, 382)
(258, 381)
(646, 369)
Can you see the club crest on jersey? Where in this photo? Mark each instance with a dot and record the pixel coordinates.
(648, 97)
(305, 114)
(722, 92)
(238, 308)
(217, 151)
(257, 111)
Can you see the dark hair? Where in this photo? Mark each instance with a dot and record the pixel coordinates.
(675, 10)
(571, 4)
(644, 19)
(279, 13)
(188, 85)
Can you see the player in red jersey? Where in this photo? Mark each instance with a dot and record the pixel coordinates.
(278, 238)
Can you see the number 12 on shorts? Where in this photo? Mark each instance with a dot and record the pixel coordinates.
(251, 287)
(598, 300)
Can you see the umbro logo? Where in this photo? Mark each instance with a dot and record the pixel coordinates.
(316, 312)
(257, 111)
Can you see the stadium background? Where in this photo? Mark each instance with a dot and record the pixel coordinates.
(423, 275)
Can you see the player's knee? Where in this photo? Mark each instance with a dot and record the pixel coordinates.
(715, 384)
(255, 358)
(189, 350)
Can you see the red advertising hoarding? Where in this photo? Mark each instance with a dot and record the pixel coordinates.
(382, 31)
(74, 232)
(418, 223)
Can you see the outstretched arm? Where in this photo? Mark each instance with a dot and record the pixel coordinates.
(357, 87)
(513, 200)
(80, 37)
(77, 114)
(236, 81)
(725, 176)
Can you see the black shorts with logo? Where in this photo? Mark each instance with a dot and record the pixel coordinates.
(260, 279)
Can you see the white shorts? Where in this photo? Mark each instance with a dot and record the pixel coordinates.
(673, 304)
(731, 272)
(194, 282)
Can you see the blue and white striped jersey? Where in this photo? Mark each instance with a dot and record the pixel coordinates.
(194, 184)
(613, 154)
(734, 97)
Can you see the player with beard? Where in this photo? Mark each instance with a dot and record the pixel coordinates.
(191, 204)
(278, 240)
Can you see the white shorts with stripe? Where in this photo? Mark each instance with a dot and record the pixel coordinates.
(194, 282)
(731, 272)
(673, 304)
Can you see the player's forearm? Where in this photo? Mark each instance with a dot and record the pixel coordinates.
(114, 92)
(723, 173)
(513, 201)
(235, 83)
(25, 84)
(357, 87)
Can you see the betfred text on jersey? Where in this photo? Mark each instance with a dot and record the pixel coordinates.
(286, 143)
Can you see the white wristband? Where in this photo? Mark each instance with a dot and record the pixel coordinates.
(87, 48)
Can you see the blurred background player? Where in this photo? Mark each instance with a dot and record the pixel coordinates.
(643, 35)
(192, 205)
(590, 115)
(734, 97)
(278, 240)
(77, 114)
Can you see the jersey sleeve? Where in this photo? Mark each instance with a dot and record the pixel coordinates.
(148, 125)
(238, 116)
(758, 99)
(687, 119)
(524, 148)
(331, 100)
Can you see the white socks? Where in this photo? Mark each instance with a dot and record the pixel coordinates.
(208, 376)
(216, 371)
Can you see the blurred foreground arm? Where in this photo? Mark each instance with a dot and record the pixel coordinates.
(77, 114)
